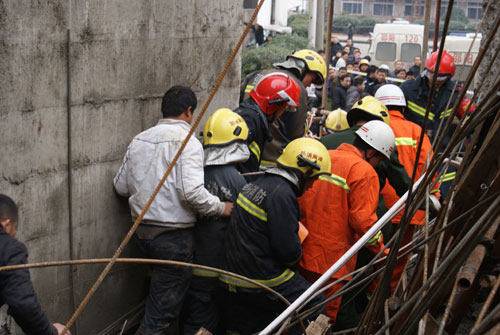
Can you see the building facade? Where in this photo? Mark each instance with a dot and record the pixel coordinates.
(409, 9)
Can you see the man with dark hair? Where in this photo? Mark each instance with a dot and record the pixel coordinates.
(415, 68)
(166, 230)
(177, 100)
(371, 78)
(349, 44)
(354, 92)
(16, 289)
(334, 45)
(340, 92)
(342, 61)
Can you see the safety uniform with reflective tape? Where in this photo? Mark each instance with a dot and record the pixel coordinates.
(337, 210)
(407, 137)
(262, 243)
(391, 170)
(201, 308)
(416, 93)
(262, 239)
(258, 134)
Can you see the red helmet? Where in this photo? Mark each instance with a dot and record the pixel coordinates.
(447, 63)
(275, 90)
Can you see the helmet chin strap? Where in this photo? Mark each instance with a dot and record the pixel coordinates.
(369, 158)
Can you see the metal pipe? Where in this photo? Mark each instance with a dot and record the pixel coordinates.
(338, 264)
(469, 270)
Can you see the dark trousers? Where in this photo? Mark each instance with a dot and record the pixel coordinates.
(202, 305)
(249, 311)
(168, 283)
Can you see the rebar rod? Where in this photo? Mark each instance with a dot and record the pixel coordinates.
(337, 265)
(453, 260)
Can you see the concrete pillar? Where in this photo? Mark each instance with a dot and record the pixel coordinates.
(124, 55)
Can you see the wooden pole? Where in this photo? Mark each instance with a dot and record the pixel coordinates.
(436, 25)
(427, 19)
(328, 53)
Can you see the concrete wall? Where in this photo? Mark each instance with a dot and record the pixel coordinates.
(124, 55)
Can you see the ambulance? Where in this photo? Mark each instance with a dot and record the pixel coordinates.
(396, 41)
(458, 47)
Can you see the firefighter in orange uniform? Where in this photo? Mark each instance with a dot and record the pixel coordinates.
(340, 207)
(407, 138)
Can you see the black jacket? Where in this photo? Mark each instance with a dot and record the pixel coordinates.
(415, 69)
(339, 97)
(258, 134)
(262, 239)
(417, 92)
(225, 182)
(16, 289)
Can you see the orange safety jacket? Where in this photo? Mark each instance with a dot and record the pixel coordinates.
(337, 210)
(407, 136)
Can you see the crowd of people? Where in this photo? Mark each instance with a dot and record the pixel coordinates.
(259, 199)
(351, 76)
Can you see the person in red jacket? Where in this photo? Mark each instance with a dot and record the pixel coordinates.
(407, 138)
(340, 207)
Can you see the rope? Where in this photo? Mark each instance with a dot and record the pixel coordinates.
(167, 173)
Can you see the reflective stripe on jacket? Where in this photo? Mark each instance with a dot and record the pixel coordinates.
(338, 209)
(262, 241)
(407, 137)
(258, 134)
(417, 92)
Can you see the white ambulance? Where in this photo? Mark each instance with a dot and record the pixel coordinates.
(396, 41)
(458, 47)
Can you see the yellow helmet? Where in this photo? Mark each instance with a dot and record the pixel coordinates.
(306, 155)
(224, 127)
(314, 62)
(367, 109)
(337, 120)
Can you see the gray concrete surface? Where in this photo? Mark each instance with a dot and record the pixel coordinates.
(124, 55)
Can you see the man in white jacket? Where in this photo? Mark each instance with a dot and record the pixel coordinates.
(166, 231)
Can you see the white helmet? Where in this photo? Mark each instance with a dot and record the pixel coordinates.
(390, 95)
(379, 136)
(384, 67)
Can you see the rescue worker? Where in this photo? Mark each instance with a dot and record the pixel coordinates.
(224, 144)
(306, 67)
(407, 138)
(262, 240)
(417, 93)
(16, 289)
(364, 110)
(269, 98)
(341, 207)
(336, 121)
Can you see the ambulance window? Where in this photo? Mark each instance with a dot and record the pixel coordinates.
(386, 51)
(409, 51)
